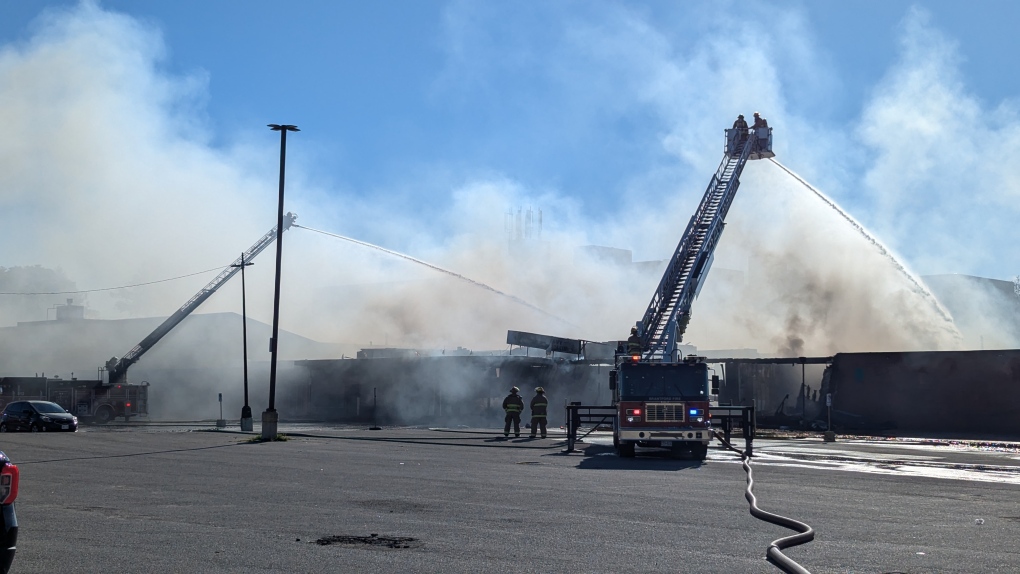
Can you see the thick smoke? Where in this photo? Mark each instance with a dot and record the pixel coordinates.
(112, 180)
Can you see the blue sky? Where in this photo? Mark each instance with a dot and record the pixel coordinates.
(424, 122)
(382, 91)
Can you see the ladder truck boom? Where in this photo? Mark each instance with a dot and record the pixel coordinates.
(117, 368)
(660, 399)
(664, 322)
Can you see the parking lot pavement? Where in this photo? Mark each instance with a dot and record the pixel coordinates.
(346, 499)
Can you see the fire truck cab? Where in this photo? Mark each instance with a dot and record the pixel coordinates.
(664, 405)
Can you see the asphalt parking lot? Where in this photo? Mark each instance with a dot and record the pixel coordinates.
(183, 498)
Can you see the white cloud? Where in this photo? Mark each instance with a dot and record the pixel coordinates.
(941, 181)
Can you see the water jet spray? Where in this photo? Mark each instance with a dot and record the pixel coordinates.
(919, 286)
(515, 299)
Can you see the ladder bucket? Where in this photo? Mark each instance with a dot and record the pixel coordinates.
(761, 146)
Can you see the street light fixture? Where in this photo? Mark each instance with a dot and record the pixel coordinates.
(246, 418)
(270, 418)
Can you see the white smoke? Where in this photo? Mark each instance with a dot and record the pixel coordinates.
(111, 178)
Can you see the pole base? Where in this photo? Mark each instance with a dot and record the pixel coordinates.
(247, 424)
(270, 420)
(221, 423)
(829, 436)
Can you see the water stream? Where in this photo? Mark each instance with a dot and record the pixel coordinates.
(918, 286)
(513, 298)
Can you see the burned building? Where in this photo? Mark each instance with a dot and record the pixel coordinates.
(438, 390)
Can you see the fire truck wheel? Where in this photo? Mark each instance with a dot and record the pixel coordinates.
(626, 450)
(701, 452)
(104, 415)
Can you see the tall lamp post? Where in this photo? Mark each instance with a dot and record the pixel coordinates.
(246, 418)
(270, 418)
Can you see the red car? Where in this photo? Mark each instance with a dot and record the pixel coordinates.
(9, 478)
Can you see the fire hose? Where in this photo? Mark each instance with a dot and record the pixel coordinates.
(774, 553)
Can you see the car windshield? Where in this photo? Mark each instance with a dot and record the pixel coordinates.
(48, 408)
(651, 381)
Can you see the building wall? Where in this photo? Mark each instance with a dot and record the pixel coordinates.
(941, 392)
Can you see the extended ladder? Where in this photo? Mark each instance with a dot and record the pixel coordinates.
(669, 311)
(117, 369)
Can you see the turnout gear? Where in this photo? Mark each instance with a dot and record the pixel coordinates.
(539, 412)
(739, 134)
(633, 342)
(513, 405)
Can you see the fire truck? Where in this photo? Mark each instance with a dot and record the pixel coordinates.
(662, 399)
(112, 396)
(115, 381)
(89, 400)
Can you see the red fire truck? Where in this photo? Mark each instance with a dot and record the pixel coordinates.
(662, 399)
(90, 400)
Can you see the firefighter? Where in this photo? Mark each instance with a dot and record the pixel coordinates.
(739, 130)
(513, 405)
(760, 122)
(539, 411)
(633, 342)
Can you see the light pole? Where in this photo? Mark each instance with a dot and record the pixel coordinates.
(271, 418)
(246, 418)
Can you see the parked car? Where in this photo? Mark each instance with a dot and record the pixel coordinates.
(9, 478)
(37, 416)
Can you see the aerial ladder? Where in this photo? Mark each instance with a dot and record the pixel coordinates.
(117, 368)
(662, 400)
(662, 327)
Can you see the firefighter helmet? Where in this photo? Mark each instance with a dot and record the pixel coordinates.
(633, 330)
(514, 390)
(539, 390)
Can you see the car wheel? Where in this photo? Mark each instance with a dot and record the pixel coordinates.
(3, 427)
(35, 428)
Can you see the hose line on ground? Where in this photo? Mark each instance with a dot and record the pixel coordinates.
(774, 554)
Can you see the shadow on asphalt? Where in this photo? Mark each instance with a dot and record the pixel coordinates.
(604, 457)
